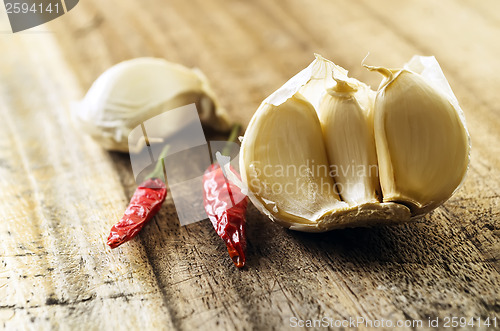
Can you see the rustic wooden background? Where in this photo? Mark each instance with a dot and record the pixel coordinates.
(60, 192)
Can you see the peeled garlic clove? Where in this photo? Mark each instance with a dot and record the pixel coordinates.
(133, 91)
(284, 163)
(350, 144)
(421, 139)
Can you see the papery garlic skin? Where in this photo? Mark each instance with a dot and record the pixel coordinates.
(133, 91)
(421, 139)
(350, 144)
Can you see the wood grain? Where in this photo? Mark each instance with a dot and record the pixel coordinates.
(60, 192)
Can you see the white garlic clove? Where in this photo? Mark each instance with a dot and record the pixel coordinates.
(285, 164)
(350, 144)
(133, 91)
(421, 139)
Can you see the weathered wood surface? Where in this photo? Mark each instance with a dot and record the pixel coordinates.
(60, 192)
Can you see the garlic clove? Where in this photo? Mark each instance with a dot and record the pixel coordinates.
(136, 90)
(284, 164)
(350, 144)
(421, 139)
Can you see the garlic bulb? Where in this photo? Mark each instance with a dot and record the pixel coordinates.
(129, 93)
(312, 153)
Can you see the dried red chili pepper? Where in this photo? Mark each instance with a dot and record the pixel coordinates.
(145, 203)
(226, 206)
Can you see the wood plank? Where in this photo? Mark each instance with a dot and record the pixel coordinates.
(60, 192)
(53, 243)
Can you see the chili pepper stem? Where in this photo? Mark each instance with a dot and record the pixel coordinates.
(232, 137)
(160, 165)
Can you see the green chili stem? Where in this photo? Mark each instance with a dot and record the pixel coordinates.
(160, 165)
(232, 137)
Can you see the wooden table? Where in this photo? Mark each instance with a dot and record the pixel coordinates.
(60, 192)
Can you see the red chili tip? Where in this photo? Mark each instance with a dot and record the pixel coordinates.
(114, 240)
(238, 260)
(113, 244)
